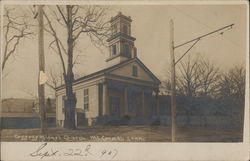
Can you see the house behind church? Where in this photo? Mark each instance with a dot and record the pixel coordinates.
(126, 88)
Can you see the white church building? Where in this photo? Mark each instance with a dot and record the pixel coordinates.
(125, 88)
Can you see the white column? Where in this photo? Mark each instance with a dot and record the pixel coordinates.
(125, 101)
(105, 109)
(157, 104)
(143, 104)
(76, 117)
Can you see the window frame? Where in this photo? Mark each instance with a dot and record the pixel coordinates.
(125, 29)
(115, 29)
(114, 50)
(86, 99)
(134, 71)
(126, 49)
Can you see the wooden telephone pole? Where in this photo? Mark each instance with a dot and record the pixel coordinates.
(173, 91)
(172, 68)
(41, 87)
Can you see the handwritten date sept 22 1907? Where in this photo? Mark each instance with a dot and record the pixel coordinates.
(45, 151)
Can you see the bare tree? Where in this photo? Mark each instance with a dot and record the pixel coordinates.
(197, 77)
(232, 83)
(209, 78)
(77, 21)
(55, 79)
(16, 28)
(232, 87)
(188, 79)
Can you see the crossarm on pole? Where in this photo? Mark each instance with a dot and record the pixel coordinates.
(187, 51)
(231, 25)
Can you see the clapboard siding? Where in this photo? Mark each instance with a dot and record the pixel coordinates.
(93, 102)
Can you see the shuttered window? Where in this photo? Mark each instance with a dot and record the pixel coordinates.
(86, 99)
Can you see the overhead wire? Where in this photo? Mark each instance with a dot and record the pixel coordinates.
(207, 26)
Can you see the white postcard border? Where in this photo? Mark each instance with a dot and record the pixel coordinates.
(143, 151)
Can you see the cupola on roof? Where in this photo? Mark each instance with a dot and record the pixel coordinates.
(121, 43)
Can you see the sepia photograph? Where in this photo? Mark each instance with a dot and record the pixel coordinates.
(122, 73)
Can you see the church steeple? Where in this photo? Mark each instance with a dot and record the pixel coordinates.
(121, 43)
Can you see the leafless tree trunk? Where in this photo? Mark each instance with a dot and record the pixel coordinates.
(77, 20)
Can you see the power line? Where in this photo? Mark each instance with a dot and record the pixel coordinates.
(191, 17)
(198, 38)
(200, 22)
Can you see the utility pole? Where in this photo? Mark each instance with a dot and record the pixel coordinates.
(173, 92)
(172, 68)
(41, 86)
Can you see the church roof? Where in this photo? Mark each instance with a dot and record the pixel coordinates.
(121, 15)
(106, 70)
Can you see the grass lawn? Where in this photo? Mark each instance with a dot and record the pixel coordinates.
(124, 134)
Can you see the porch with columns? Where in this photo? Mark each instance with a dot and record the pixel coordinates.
(134, 100)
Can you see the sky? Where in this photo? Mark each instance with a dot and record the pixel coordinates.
(150, 27)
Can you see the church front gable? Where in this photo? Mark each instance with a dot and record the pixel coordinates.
(134, 70)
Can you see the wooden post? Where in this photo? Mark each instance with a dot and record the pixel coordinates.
(41, 88)
(173, 92)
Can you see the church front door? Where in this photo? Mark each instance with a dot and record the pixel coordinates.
(114, 106)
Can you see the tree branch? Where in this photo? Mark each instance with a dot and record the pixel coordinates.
(57, 42)
(59, 9)
(18, 34)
